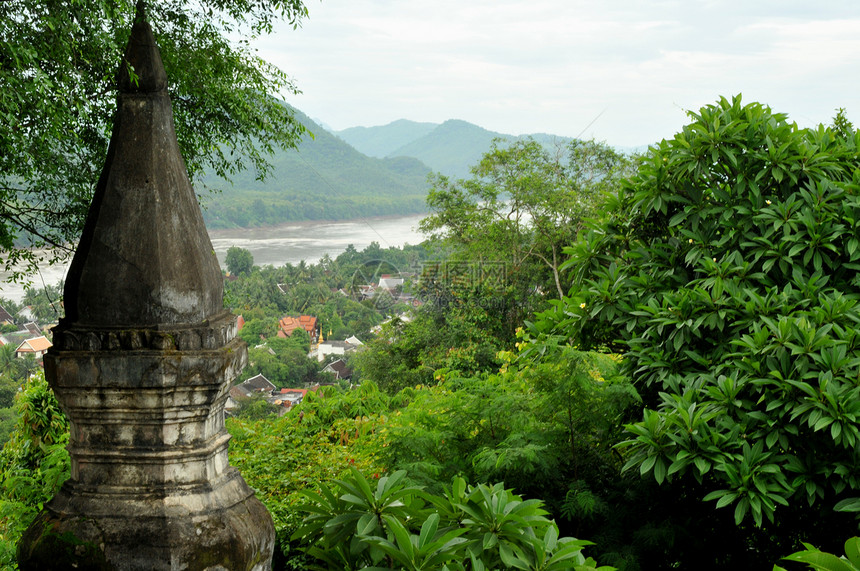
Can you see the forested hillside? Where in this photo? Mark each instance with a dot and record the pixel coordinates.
(323, 179)
(358, 172)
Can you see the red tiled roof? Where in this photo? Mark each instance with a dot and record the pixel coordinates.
(303, 392)
(34, 345)
(290, 324)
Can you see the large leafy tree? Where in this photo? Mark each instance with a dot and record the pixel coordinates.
(58, 59)
(239, 260)
(726, 273)
(523, 204)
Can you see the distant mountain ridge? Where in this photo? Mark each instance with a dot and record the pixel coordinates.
(354, 173)
(381, 142)
(450, 148)
(324, 179)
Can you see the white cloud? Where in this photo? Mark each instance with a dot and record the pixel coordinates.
(554, 65)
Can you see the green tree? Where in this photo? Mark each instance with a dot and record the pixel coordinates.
(239, 261)
(58, 61)
(352, 525)
(34, 462)
(46, 302)
(256, 330)
(9, 363)
(255, 408)
(546, 426)
(284, 362)
(8, 389)
(726, 273)
(8, 419)
(281, 456)
(407, 353)
(822, 561)
(841, 124)
(523, 204)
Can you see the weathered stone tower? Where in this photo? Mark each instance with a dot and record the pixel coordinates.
(142, 364)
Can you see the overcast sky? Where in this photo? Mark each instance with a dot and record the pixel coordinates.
(620, 71)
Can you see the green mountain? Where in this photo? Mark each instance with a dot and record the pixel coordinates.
(381, 142)
(358, 172)
(450, 148)
(324, 179)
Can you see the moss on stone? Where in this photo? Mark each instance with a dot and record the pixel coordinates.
(52, 548)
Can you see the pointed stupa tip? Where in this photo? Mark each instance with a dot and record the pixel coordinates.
(141, 69)
(144, 258)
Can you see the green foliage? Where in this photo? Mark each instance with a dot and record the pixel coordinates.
(9, 382)
(33, 464)
(46, 302)
(503, 231)
(239, 261)
(59, 58)
(821, 561)
(522, 205)
(255, 408)
(467, 318)
(255, 331)
(546, 425)
(14, 373)
(283, 363)
(841, 124)
(270, 293)
(519, 426)
(725, 271)
(353, 525)
(8, 421)
(354, 509)
(317, 442)
(323, 408)
(407, 353)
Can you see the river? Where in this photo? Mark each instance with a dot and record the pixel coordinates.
(279, 245)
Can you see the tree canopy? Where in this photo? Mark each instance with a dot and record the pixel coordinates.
(523, 204)
(239, 260)
(726, 273)
(58, 61)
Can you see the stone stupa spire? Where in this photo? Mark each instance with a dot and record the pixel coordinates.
(142, 364)
(144, 223)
